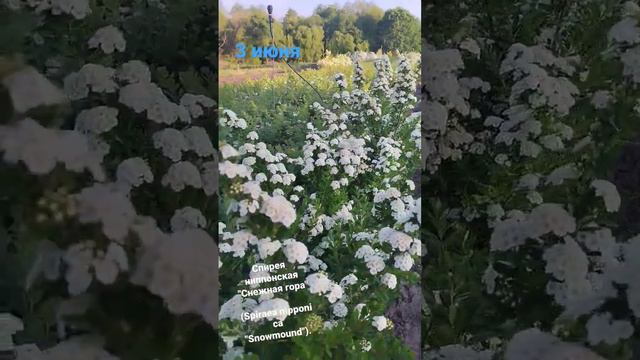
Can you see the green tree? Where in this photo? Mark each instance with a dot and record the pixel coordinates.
(328, 14)
(399, 30)
(256, 31)
(278, 34)
(222, 20)
(362, 45)
(341, 43)
(368, 17)
(310, 40)
(235, 27)
(342, 20)
(290, 22)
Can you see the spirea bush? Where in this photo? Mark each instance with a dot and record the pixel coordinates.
(341, 211)
(109, 180)
(527, 260)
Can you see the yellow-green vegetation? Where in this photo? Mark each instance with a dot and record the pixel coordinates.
(277, 100)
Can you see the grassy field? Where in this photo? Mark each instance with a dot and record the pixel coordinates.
(237, 76)
(277, 99)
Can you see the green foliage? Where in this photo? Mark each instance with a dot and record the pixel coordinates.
(369, 16)
(256, 31)
(399, 30)
(341, 43)
(276, 108)
(309, 39)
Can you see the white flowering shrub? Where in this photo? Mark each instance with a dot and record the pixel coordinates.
(109, 202)
(341, 211)
(523, 117)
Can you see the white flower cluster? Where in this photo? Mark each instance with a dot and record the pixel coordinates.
(340, 310)
(318, 223)
(96, 120)
(196, 104)
(390, 152)
(404, 85)
(198, 141)
(134, 71)
(358, 75)
(361, 105)
(278, 307)
(609, 194)
(232, 170)
(381, 85)
(148, 97)
(533, 89)
(182, 268)
(533, 344)
(82, 258)
(398, 240)
(79, 9)
(133, 172)
(109, 39)
(90, 78)
(230, 119)
(574, 287)
(173, 142)
(373, 258)
(137, 91)
(389, 280)
(234, 307)
(278, 209)
(404, 209)
(625, 37)
(41, 149)
(341, 82)
(602, 328)
(295, 251)
(532, 183)
(380, 322)
(182, 174)
(527, 67)
(445, 133)
(107, 205)
(187, 218)
(320, 284)
(29, 89)
(519, 226)
(240, 243)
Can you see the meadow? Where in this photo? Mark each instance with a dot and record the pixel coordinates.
(276, 101)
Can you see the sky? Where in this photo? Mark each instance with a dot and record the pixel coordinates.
(305, 7)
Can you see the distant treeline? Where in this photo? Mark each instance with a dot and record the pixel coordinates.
(358, 26)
